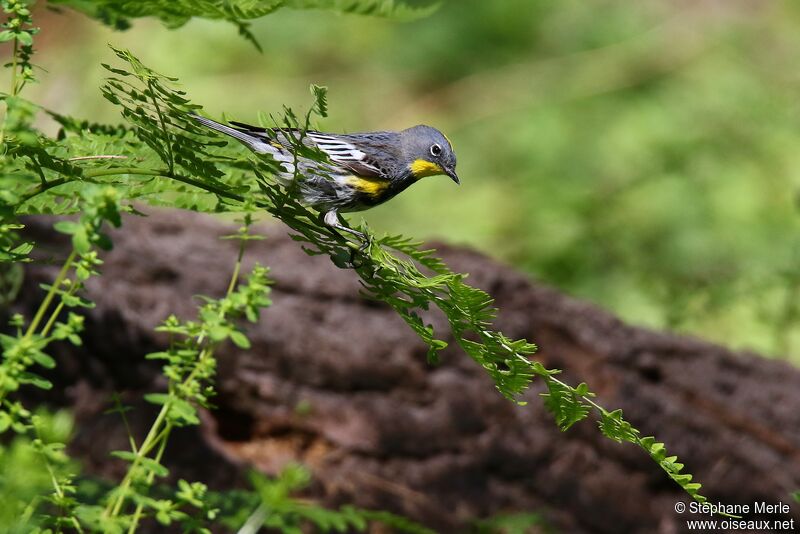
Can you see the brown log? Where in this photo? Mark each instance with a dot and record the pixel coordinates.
(341, 384)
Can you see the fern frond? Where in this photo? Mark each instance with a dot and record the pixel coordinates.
(209, 175)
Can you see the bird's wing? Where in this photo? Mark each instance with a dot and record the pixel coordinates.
(342, 150)
(348, 154)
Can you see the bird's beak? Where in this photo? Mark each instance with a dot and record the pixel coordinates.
(453, 176)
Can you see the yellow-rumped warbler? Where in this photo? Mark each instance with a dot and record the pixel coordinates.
(362, 171)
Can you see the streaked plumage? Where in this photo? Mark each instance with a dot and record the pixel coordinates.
(362, 171)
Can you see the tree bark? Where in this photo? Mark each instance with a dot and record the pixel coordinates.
(341, 384)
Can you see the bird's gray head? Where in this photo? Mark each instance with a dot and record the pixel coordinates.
(428, 152)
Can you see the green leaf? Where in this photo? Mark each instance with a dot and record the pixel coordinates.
(35, 380)
(67, 227)
(613, 426)
(320, 99)
(80, 241)
(43, 359)
(564, 403)
(24, 38)
(157, 398)
(240, 339)
(183, 412)
(152, 465)
(128, 456)
(219, 332)
(147, 463)
(158, 356)
(5, 421)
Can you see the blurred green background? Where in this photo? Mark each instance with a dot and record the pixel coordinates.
(643, 155)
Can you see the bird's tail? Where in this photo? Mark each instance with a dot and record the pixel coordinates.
(255, 142)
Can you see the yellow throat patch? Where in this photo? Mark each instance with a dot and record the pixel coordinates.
(370, 186)
(421, 168)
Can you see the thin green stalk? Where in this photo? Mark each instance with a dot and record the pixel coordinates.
(14, 68)
(43, 307)
(236, 269)
(164, 129)
(60, 492)
(150, 476)
(57, 312)
(255, 520)
(92, 173)
(147, 444)
(156, 433)
(56, 486)
(166, 174)
(51, 293)
(113, 171)
(77, 525)
(13, 91)
(131, 440)
(27, 514)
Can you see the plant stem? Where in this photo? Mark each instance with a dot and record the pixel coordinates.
(113, 171)
(156, 434)
(43, 307)
(147, 444)
(254, 521)
(56, 486)
(52, 319)
(13, 90)
(163, 445)
(236, 269)
(99, 156)
(51, 293)
(164, 129)
(53, 316)
(14, 68)
(92, 173)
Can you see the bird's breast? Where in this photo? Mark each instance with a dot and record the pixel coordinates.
(371, 187)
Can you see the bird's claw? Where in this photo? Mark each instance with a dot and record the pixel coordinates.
(365, 244)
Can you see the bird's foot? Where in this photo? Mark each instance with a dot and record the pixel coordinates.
(366, 241)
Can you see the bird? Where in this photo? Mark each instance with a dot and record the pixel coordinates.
(359, 171)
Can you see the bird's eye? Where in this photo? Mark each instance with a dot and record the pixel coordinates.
(436, 150)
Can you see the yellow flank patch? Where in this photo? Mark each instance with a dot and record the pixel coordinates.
(370, 186)
(422, 168)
